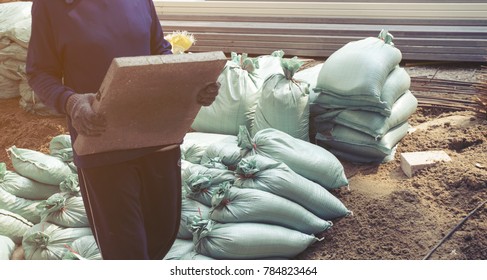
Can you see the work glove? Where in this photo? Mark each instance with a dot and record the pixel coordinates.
(207, 95)
(86, 121)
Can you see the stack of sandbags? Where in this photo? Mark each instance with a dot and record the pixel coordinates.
(42, 209)
(15, 30)
(364, 102)
(232, 214)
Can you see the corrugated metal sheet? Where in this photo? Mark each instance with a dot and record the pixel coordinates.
(436, 30)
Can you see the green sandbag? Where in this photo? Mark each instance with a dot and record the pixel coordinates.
(60, 147)
(227, 153)
(189, 209)
(38, 166)
(179, 248)
(195, 144)
(199, 182)
(46, 241)
(395, 85)
(362, 147)
(235, 205)
(24, 187)
(308, 160)
(26, 208)
(13, 226)
(262, 173)
(371, 123)
(244, 241)
(284, 103)
(83, 248)
(235, 102)
(64, 210)
(364, 65)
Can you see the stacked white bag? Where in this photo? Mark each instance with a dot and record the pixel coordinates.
(364, 102)
(15, 30)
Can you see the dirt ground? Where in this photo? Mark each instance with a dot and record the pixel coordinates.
(395, 217)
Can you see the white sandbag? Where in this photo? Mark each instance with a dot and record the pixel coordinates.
(64, 210)
(262, 173)
(235, 205)
(189, 209)
(13, 226)
(83, 248)
(8, 88)
(15, 22)
(46, 241)
(29, 101)
(364, 65)
(23, 187)
(39, 166)
(24, 207)
(395, 85)
(371, 123)
(283, 103)
(243, 241)
(7, 247)
(226, 152)
(308, 160)
(179, 248)
(356, 146)
(236, 99)
(200, 182)
(195, 144)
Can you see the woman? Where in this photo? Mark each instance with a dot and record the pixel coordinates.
(132, 197)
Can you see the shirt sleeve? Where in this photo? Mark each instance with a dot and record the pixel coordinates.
(159, 45)
(44, 66)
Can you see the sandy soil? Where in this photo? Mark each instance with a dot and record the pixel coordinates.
(395, 217)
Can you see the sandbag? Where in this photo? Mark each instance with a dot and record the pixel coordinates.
(83, 248)
(308, 160)
(364, 65)
(23, 187)
(189, 209)
(371, 123)
(24, 207)
(262, 173)
(39, 166)
(179, 248)
(395, 85)
(236, 99)
(70, 185)
(223, 154)
(64, 210)
(269, 65)
(7, 247)
(359, 147)
(13, 226)
(243, 241)
(195, 144)
(15, 22)
(199, 182)
(46, 241)
(60, 147)
(283, 103)
(234, 205)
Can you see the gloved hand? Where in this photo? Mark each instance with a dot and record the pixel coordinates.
(83, 118)
(207, 95)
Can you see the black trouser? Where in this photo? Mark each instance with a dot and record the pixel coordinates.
(134, 207)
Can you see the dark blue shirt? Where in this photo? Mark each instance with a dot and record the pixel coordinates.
(73, 43)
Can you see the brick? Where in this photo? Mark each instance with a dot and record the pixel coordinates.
(150, 100)
(414, 161)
